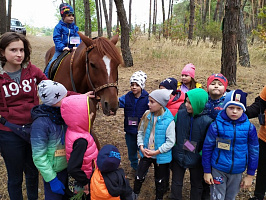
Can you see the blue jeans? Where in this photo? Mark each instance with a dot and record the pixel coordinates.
(132, 149)
(17, 155)
(49, 194)
(56, 54)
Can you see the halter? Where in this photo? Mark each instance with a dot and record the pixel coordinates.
(106, 85)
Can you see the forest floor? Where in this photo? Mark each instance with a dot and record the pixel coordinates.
(160, 60)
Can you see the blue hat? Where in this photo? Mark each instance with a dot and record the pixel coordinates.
(169, 83)
(235, 97)
(108, 159)
(65, 8)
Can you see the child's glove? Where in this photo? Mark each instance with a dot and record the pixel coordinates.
(57, 186)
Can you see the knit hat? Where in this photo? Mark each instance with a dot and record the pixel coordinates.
(65, 8)
(139, 77)
(235, 97)
(162, 96)
(108, 159)
(51, 92)
(169, 83)
(189, 70)
(218, 77)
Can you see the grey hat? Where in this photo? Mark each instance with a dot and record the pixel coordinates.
(51, 92)
(162, 96)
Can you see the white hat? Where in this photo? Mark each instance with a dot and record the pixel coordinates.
(139, 77)
(51, 92)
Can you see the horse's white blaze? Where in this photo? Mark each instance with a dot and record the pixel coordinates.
(107, 61)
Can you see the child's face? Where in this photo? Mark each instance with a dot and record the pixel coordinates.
(185, 79)
(14, 53)
(69, 18)
(154, 106)
(136, 89)
(188, 106)
(234, 112)
(216, 89)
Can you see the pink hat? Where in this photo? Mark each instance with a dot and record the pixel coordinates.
(189, 70)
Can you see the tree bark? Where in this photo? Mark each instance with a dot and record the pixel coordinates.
(229, 42)
(191, 21)
(101, 17)
(149, 31)
(108, 28)
(205, 12)
(154, 17)
(87, 15)
(126, 53)
(98, 17)
(3, 17)
(218, 4)
(111, 14)
(129, 15)
(242, 40)
(163, 10)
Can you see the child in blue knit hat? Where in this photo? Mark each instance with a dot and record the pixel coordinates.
(65, 34)
(108, 180)
(230, 147)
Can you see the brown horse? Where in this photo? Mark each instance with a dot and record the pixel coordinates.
(93, 66)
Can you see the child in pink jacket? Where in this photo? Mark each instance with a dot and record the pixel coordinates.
(81, 150)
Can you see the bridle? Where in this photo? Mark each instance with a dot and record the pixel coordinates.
(106, 85)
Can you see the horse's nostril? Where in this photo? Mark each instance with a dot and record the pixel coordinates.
(106, 105)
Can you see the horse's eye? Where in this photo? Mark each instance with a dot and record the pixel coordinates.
(92, 65)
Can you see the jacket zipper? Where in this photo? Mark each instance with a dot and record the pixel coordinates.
(233, 150)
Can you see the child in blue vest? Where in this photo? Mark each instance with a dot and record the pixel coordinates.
(156, 137)
(135, 103)
(231, 146)
(65, 33)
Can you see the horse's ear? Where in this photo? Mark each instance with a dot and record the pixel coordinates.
(114, 39)
(85, 39)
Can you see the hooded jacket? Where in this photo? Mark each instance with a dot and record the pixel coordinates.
(110, 186)
(244, 146)
(191, 127)
(17, 100)
(62, 34)
(175, 102)
(74, 110)
(46, 138)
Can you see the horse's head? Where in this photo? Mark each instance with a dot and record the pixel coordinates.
(102, 60)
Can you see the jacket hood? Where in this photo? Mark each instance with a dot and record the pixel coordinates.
(74, 110)
(198, 98)
(37, 111)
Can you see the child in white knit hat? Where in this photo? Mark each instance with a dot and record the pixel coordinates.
(156, 137)
(135, 103)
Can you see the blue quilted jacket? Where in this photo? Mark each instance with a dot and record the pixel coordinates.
(244, 146)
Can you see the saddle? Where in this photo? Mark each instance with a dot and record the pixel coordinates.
(56, 64)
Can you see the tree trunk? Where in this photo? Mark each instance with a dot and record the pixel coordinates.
(154, 17)
(191, 21)
(229, 43)
(149, 31)
(221, 11)
(108, 28)
(205, 12)
(98, 17)
(242, 40)
(126, 53)
(163, 18)
(3, 17)
(87, 18)
(111, 14)
(101, 17)
(129, 15)
(216, 10)
(74, 8)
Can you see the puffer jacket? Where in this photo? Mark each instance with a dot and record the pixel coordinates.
(192, 127)
(62, 33)
(244, 146)
(46, 138)
(17, 100)
(74, 110)
(175, 102)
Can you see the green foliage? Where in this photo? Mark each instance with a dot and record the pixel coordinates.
(261, 29)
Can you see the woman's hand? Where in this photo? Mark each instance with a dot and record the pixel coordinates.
(66, 48)
(90, 94)
(208, 178)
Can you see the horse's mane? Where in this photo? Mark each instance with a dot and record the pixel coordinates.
(105, 47)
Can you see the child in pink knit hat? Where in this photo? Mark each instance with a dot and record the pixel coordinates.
(188, 79)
